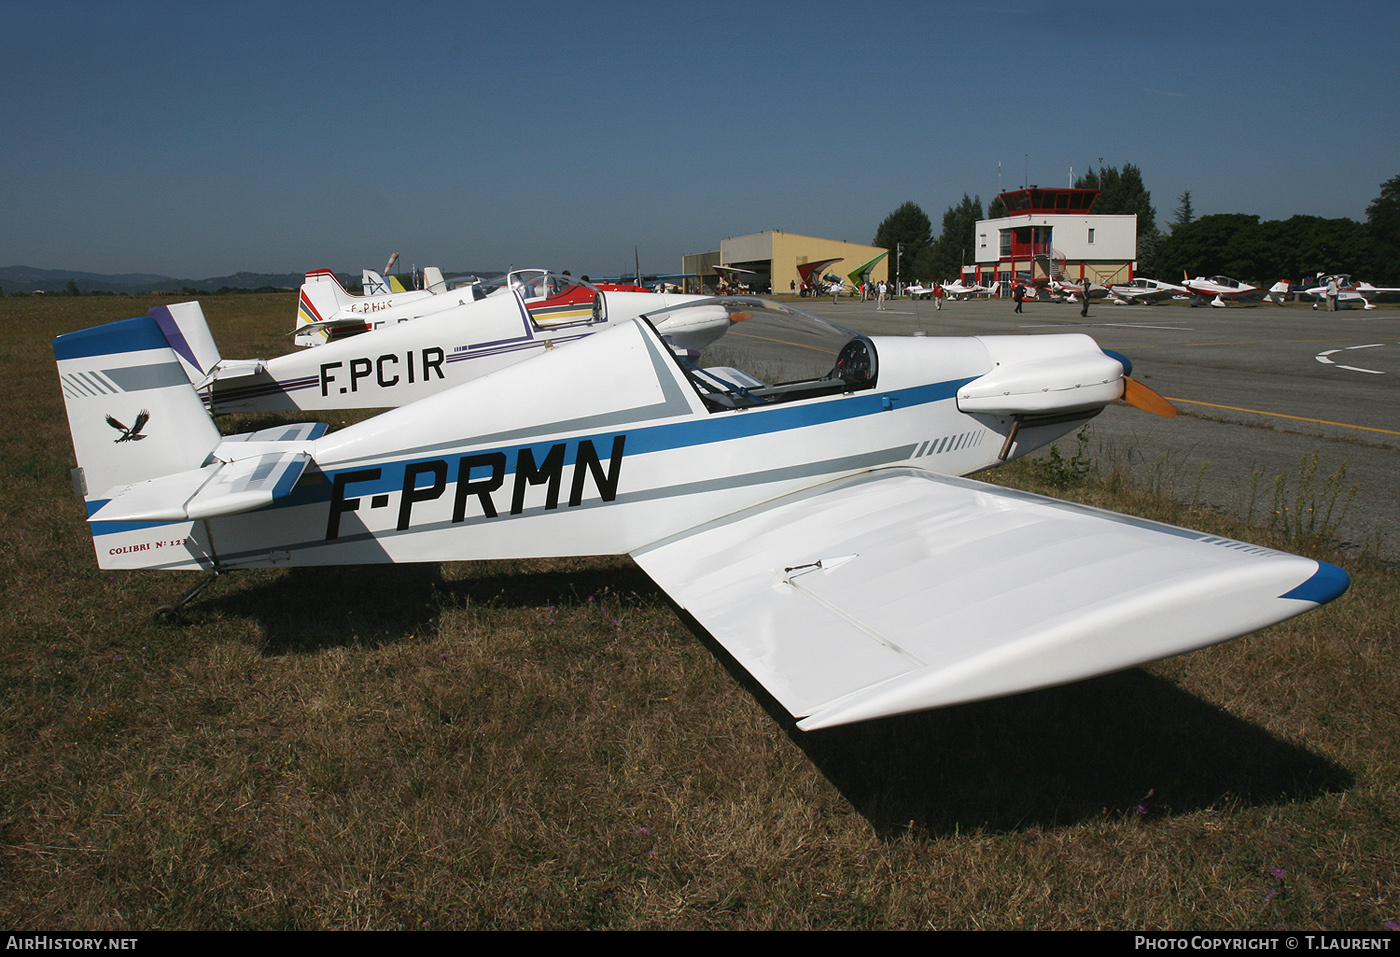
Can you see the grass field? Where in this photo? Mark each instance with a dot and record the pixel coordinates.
(547, 744)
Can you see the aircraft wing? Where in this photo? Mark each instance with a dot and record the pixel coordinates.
(899, 590)
(1249, 295)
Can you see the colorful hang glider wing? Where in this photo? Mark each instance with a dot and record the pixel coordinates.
(861, 273)
(811, 273)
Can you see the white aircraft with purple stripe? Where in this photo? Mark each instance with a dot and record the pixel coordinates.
(403, 362)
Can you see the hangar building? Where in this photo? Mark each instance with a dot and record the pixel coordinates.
(774, 256)
(1044, 228)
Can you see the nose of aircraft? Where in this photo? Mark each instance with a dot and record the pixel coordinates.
(1040, 375)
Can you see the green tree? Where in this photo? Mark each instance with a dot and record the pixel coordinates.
(906, 232)
(1122, 193)
(1183, 214)
(1148, 245)
(908, 225)
(1383, 233)
(1220, 243)
(944, 259)
(1306, 245)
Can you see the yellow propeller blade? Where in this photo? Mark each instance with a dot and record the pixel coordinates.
(1138, 395)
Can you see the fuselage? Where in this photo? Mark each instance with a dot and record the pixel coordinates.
(402, 362)
(609, 445)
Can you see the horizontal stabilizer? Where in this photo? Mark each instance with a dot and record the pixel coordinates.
(291, 432)
(232, 370)
(900, 590)
(225, 488)
(339, 322)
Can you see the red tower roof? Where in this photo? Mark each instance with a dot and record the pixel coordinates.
(1049, 200)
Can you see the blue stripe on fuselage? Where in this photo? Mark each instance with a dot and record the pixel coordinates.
(643, 438)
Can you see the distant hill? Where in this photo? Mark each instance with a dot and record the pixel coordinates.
(28, 279)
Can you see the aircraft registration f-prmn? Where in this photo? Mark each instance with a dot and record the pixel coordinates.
(794, 486)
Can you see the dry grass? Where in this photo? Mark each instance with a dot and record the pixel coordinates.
(547, 744)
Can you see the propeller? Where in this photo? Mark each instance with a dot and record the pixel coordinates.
(1138, 395)
(1142, 397)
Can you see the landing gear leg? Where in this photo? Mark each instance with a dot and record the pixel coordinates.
(170, 614)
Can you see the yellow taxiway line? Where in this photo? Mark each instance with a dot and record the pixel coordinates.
(1280, 415)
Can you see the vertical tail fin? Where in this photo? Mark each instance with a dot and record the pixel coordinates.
(187, 333)
(322, 297)
(372, 283)
(133, 412)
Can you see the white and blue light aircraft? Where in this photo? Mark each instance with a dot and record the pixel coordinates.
(794, 487)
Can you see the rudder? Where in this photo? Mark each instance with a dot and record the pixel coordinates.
(322, 297)
(187, 333)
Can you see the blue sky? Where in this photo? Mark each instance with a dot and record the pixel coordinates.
(195, 140)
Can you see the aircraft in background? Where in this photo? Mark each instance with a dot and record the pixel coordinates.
(649, 282)
(404, 361)
(1373, 294)
(640, 282)
(373, 284)
(1349, 292)
(1142, 290)
(729, 278)
(793, 487)
(960, 290)
(326, 312)
(1220, 291)
(1061, 291)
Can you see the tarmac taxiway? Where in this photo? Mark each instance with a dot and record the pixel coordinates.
(1264, 391)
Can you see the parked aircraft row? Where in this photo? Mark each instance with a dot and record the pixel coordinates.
(794, 486)
(1217, 291)
(1220, 291)
(951, 290)
(384, 350)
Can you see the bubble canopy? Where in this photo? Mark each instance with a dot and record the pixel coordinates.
(741, 352)
(531, 284)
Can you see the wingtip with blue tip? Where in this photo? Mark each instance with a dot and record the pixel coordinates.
(1327, 583)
